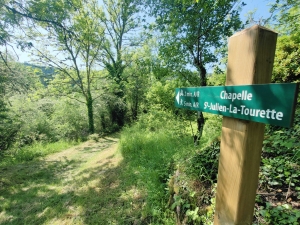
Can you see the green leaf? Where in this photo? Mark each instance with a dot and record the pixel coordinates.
(287, 206)
(274, 183)
(287, 173)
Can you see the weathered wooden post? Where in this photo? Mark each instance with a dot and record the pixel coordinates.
(250, 61)
(247, 102)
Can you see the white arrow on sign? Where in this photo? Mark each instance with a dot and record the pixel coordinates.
(177, 97)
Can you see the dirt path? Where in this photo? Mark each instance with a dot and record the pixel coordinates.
(102, 154)
(86, 184)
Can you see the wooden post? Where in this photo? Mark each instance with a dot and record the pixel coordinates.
(250, 61)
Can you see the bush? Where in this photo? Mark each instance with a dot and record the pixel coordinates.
(69, 120)
(203, 165)
(280, 163)
(8, 128)
(283, 214)
(279, 176)
(148, 148)
(48, 120)
(179, 176)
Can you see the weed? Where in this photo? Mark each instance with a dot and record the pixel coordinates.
(282, 214)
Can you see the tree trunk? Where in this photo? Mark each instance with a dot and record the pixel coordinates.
(135, 104)
(200, 119)
(89, 104)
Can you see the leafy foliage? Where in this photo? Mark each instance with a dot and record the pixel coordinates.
(69, 120)
(279, 176)
(78, 38)
(150, 153)
(286, 64)
(204, 164)
(216, 80)
(286, 15)
(162, 95)
(15, 78)
(8, 128)
(193, 34)
(284, 215)
(101, 80)
(287, 58)
(281, 152)
(192, 30)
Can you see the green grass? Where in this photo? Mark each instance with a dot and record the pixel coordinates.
(31, 152)
(80, 185)
(89, 184)
(93, 183)
(151, 156)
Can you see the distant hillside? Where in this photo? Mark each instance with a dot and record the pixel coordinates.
(47, 73)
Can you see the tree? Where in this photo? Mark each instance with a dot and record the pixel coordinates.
(121, 21)
(287, 57)
(286, 15)
(193, 32)
(118, 21)
(68, 36)
(15, 78)
(13, 14)
(7, 22)
(138, 75)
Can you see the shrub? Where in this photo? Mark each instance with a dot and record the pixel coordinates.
(70, 121)
(8, 128)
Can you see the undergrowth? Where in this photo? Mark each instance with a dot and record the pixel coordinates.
(160, 150)
(175, 181)
(180, 178)
(149, 155)
(278, 199)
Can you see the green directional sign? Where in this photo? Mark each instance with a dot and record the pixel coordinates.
(266, 103)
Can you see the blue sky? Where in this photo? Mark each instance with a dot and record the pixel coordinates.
(262, 7)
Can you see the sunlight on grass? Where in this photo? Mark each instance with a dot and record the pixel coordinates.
(95, 182)
(75, 186)
(30, 152)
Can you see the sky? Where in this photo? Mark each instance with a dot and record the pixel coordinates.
(261, 7)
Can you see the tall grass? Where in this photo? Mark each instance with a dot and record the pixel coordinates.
(154, 148)
(150, 154)
(30, 152)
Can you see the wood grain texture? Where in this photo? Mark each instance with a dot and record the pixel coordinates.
(250, 61)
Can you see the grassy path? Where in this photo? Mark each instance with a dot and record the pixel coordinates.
(86, 184)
